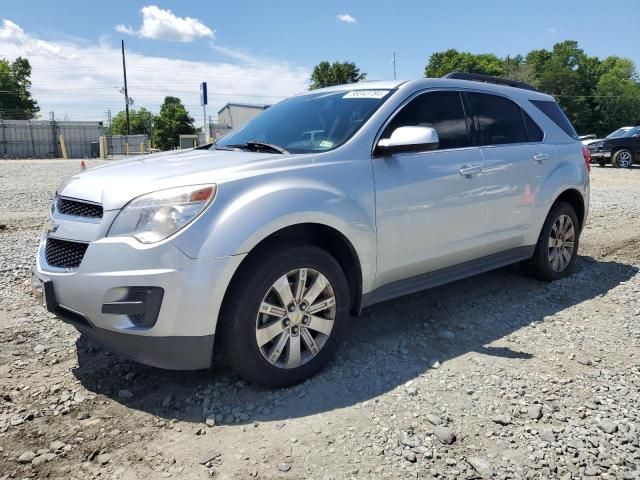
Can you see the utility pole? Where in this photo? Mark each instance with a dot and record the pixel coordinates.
(126, 92)
(394, 65)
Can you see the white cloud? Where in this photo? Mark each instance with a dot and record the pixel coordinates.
(160, 24)
(82, 79)
(551, 30)
(346, 18)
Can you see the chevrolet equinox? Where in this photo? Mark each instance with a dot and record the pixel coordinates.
(264, 242)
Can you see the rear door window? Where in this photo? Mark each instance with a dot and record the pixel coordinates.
(499, 120)
(441, 111)
(534, 134)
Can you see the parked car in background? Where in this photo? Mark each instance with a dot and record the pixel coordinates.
(264, 243)
(620, 148)
(587, 139)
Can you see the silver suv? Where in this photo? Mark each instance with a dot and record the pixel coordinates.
(264, 243)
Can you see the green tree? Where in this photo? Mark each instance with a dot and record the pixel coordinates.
(141, 122)
(326, 74)
(441, 63)
(597, 95)
(571, 76)
(15, 98)
(174, 120)
(618, 94)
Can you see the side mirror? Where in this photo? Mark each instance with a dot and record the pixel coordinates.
(409, 139)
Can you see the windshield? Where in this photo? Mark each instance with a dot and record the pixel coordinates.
(310, 123)
(624, 132)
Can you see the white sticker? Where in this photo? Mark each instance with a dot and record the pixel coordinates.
(326, 144)
(366, 94)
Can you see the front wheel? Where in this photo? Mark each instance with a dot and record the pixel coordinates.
(557, 245)
(285, 315)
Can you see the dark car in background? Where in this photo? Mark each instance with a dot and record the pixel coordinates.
(620, 148)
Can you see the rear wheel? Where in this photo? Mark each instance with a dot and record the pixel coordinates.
(285, 315)
(557, 246)
(623, 158)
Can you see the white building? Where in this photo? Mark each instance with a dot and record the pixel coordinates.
(235, 115)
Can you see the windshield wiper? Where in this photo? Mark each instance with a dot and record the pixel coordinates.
(260, 146)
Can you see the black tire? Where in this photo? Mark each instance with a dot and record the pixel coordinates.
(617, 158)
(539, 266)
(237, 332)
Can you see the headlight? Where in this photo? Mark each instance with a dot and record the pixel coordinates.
(155, 216)
(597, 145)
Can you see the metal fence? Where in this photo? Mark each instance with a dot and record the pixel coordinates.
(41, 138)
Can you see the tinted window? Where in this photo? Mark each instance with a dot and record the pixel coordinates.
(439, 110)
(499, 119)
(534, 134)
(553, 111)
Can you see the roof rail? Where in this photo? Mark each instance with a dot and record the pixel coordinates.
(477, 77)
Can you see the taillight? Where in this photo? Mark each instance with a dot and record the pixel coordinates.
(586, 154)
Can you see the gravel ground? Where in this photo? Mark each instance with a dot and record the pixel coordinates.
(494, 376)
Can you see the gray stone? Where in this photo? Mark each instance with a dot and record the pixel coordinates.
(584, 360)
(125, 394)
(210, 420)
(409, 456)
(608, 426)
(434, 419)
(502, 420)
(445, 435)
(209, 456)
(26, 457)
(535, 412)
(44, 458)
(103, 458)
(547, 435)
(412, 391)
(482, 466)
(446, 334)
(284, 467)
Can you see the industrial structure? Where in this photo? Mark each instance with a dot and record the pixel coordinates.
(235, 115)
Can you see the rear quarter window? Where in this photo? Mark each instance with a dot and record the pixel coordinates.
(554, 112)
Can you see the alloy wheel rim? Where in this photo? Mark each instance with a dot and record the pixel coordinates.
(624, 159)
(295, 318)
(561, 243)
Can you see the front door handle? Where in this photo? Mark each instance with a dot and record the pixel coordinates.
(470, 170)
(541, 157)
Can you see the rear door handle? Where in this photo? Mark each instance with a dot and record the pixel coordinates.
(470, 170)
(541, 157)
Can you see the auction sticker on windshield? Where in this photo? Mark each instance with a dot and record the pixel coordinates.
(366, 94)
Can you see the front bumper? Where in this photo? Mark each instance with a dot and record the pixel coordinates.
(182, 334)
(600, 155)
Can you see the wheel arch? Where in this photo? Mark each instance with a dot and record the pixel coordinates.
(321, 235)
(574, 198)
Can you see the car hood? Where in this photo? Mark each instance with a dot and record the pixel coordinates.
(115, 184)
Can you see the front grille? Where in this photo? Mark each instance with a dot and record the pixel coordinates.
(78, 208)
(64, 254)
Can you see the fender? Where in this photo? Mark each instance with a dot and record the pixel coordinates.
(566, 175)
(245, 213)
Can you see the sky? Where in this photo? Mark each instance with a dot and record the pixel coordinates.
(261, 52)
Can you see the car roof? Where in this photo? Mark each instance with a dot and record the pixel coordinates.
(425, 83)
